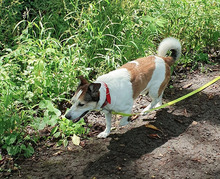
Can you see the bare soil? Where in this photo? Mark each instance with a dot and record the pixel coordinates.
(187, 144)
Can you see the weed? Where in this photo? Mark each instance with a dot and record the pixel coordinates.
(66, 128)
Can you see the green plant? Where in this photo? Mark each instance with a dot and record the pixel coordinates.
(66, 129)
(50, 115)
(16, 144)
(13, 135)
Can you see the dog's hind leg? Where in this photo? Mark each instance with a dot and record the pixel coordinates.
(124, 119)
(156, 102)
(106, 132)
(159, 103)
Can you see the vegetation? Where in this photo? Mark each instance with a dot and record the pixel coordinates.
(46, 44)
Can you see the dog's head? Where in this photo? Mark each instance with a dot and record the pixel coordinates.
(84, 100)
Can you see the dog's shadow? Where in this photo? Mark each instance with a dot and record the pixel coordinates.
(130, 146)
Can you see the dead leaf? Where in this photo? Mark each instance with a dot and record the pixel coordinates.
(152, 127)
(160, 155)
(194, 123)
(57, 153)
(76, 140)
(187, 85)
(134, 117)
(116, 138)
(185, 112)
(154, 136)
(82, 144)
(210, 96)
(118, 167)
(178, 120)
(196, 160)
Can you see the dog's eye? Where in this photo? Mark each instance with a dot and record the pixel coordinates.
(80, 104)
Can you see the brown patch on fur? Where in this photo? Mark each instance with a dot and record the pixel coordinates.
(169, 61)
(166, 80)
(140, 74)
(84, 89)
(83, 81)
(83, 86)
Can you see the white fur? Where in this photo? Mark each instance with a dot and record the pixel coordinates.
(157, 77)
(168, 44)
(120, 88)
(154, 84)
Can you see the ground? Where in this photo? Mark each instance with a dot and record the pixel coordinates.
(186, 144)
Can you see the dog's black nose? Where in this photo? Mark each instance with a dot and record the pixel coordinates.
(68, 116)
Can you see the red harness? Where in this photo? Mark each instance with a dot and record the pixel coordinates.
(108, 97)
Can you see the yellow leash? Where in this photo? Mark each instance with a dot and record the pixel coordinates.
(174, 101)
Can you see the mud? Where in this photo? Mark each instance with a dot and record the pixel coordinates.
(186, 144)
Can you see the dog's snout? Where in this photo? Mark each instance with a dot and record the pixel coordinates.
(68, 116)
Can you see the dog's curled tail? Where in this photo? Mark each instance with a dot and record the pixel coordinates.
(171, 44)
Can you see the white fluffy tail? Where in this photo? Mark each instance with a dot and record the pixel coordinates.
(171, 44)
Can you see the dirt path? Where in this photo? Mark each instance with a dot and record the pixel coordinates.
(187, 145)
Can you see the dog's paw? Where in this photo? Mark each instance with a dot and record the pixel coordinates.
(103, 135)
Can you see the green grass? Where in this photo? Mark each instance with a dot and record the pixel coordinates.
(45, 46)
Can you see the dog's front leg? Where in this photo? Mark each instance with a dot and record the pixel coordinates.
(106, 132)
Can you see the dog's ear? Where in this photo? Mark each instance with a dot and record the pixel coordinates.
(93, 91)
(83, 81)
(94, 87)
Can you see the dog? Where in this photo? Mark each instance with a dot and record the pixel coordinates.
(117, 90)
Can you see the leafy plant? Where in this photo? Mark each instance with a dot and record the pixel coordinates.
(50, 115)
(66, 129)
(15, 144)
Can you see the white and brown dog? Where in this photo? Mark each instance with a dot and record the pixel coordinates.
(117, 90)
